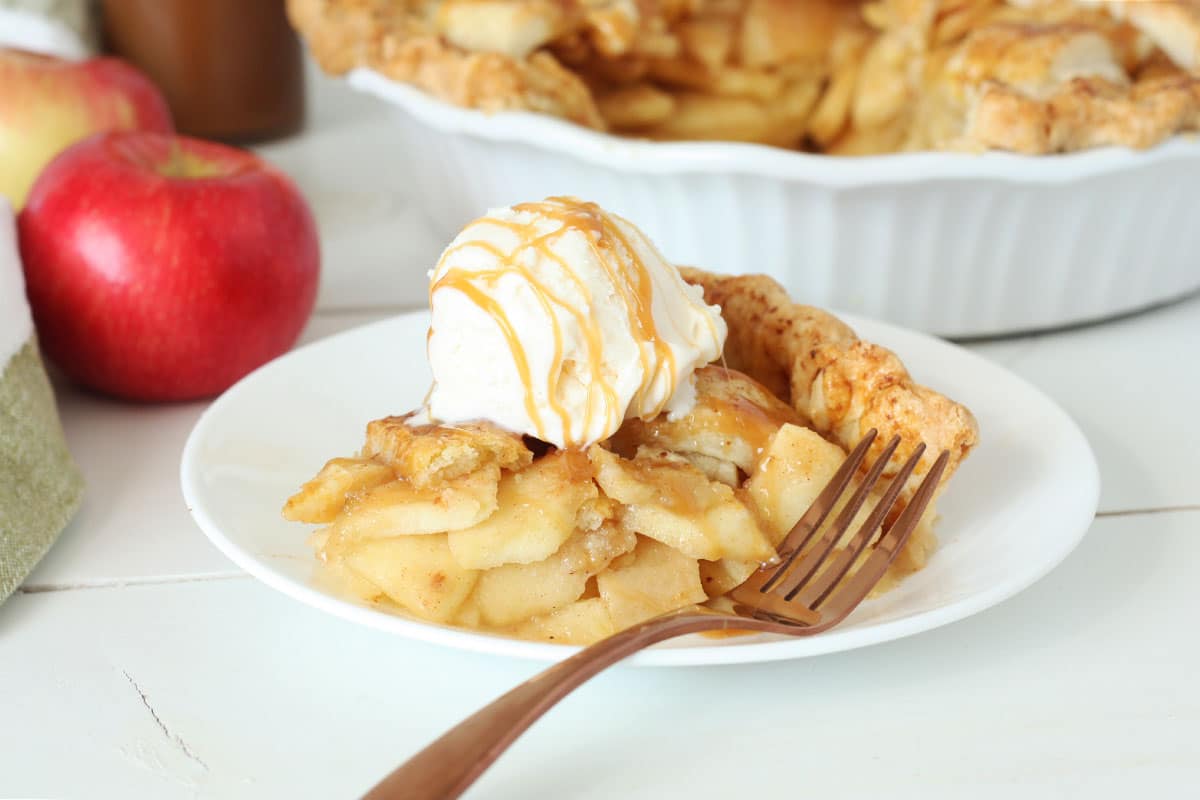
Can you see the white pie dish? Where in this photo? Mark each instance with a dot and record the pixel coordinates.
(1016, 508)
(955, 244)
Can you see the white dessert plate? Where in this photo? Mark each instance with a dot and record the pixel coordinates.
(1016, 508)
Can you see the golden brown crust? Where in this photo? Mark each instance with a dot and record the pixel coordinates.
(1173, 25)
(733, 420)
(1084, 113)
(1045, 88)
(843, 385)
(402, 41)
(427, 455)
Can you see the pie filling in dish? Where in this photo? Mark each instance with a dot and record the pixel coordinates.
(608, 437)
(843, 77)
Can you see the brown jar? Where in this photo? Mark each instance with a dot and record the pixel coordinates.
(231, 70)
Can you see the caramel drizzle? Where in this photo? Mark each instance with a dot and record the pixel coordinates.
(601, 232)
(456, 279)
(591, 331)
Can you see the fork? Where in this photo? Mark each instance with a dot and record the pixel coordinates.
(807, 590)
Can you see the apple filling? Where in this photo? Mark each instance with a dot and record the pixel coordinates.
(471, 526)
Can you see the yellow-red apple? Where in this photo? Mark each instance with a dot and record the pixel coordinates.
(47, 103)
(161, 268)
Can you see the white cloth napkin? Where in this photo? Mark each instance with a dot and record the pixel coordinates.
(64, 28)
(16, 326)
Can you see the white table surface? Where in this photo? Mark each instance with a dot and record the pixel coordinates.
(137, 662)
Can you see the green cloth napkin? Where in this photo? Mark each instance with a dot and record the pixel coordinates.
(40, 486)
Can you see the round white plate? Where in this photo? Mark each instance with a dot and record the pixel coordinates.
(1016, 508)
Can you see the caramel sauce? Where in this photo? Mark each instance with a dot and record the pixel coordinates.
(493, 309)
(681, 488)
(741, 418)
(634, 286)
(730, 407)
(726, 633)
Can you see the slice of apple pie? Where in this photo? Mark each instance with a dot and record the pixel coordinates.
(647, 505)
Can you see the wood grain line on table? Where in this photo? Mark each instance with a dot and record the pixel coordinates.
(115, 583)
(118, 583)
(368, 310)
(1135, 512)
(172, 737)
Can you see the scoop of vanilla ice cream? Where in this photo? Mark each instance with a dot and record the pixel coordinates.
(559, 320)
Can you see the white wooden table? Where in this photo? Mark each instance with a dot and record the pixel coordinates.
(137, 662)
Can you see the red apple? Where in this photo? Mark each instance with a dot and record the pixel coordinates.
(47, 104)
(164, 268)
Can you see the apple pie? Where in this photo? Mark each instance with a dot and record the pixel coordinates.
(832, 76)
(472, 525)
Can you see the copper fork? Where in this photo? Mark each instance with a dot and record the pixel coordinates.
(807, 590)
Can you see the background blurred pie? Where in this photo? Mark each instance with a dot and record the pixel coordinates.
(834, 76)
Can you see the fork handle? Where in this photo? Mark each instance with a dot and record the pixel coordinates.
(447, 767)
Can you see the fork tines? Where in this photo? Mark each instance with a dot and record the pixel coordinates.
(811, 574)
